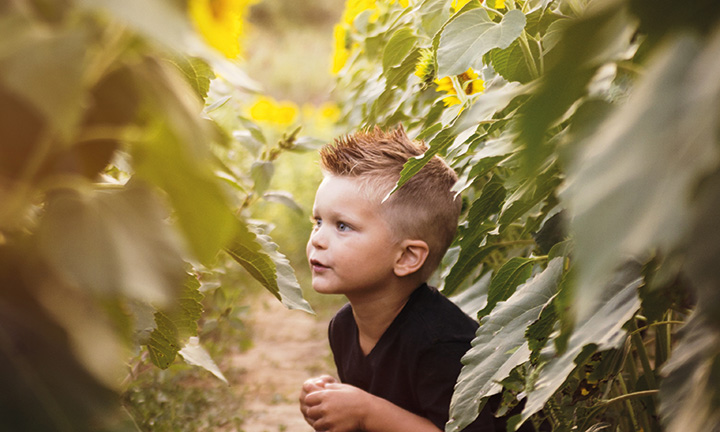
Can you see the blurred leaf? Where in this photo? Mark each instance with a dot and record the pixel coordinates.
(689, 397)
(512, 274)
(261, 173)
(466, 39)
(174, 155)
(599, 328)
(113, 100)
(176, 324)
(499, 346)
(599, 37)
(398, 47)
(193, 353)
(619, 193)
(112, 242)
(21, 128)
(47, 70)
(285, 198)
(45, 387)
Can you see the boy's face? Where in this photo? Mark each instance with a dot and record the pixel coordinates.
(351, 248)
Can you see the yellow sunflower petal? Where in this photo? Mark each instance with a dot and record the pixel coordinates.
(220, 22)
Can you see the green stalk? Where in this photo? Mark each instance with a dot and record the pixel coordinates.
(642, 354)
(527, 55)
(628, 404)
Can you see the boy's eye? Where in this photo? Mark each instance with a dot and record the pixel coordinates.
(341, 226)
(317, 222)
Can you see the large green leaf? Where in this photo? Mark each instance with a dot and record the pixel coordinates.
(398, 47)
(113, 242)
(465, 40)
(513, 273)
(630, 185)
(499, 346)
(175, 325)
(260, 257)
(600, 328)
(530, 193)
(483, 109)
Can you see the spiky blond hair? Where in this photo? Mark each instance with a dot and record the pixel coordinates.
(424, 208)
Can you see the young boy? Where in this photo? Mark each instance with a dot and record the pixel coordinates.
(398, 343)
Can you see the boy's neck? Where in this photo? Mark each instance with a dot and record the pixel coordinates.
(374, 314)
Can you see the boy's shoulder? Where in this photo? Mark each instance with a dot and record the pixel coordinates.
(437, 317)
(428, 317)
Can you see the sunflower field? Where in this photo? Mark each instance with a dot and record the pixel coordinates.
(135, 150)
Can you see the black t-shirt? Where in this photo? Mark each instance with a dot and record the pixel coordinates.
(416, 362)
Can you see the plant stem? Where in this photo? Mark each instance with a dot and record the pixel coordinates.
(642, 353)
(628, 404)
(629, 396)
(527, 55)
(656, 323)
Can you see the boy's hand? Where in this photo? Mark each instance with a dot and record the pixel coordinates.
(337, 408)
(310, 386)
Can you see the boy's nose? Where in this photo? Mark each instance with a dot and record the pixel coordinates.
(318, 239)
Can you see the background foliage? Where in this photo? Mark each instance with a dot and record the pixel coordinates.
(136, 159)
(585, 135)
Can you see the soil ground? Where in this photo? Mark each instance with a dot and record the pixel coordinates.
(288, 347)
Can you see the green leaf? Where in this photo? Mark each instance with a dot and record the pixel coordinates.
(285, 198)
(196, 71)
(619, 194)
(601, 328)
(513, 273)
(398, 47)
(174, 326)
(489, 203)
(470, 257)
(261, 173)
(465, 40)
(532, 192)
(259, 256)
(288, 289)
(193, 353)
(113, 242)
(510, 63)
(499, 346)
(247, 251)
(538, 333)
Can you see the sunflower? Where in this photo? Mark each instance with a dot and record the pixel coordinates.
(220, 22)
(468, 81)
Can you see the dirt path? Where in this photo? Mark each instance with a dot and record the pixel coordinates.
(288, 348)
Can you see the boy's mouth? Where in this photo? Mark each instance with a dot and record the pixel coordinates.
(317, 265)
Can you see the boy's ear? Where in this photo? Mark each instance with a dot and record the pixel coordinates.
(414, 254)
